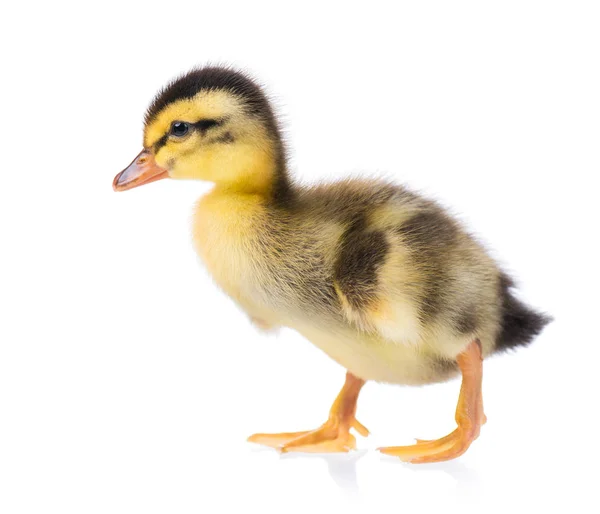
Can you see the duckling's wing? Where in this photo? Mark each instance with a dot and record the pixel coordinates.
(414, 275)
(411, 271)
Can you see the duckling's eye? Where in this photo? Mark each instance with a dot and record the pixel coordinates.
(179, 128)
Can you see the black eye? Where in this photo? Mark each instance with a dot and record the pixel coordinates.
(179, 128)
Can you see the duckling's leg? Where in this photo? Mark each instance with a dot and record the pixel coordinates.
(333, 436)
(469, 417)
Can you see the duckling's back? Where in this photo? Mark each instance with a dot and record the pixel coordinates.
(410, 271)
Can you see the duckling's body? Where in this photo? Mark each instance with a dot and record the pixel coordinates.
(301, 265)
(384, 281)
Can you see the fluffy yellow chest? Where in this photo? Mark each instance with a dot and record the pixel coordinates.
(226, 237)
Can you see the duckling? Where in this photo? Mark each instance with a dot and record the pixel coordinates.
(382, 280)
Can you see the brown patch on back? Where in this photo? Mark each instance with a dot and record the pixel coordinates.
(467, 321)
(361, 256)
(430, 236)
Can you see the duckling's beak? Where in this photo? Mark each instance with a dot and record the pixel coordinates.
(142, 170)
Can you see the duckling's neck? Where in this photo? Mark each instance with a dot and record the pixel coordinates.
(259, 174)
(282, 191)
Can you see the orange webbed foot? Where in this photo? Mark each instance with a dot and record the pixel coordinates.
(437, 450)
(469, 417)
(333, 436)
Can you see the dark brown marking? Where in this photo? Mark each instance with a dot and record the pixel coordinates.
(362, 254)
(204, 125)
(160, 143)
(466, 321)
(226, 138)
(429, 236)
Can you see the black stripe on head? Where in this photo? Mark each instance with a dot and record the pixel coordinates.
(212, 79)
(201, 125)
(226, 138)
(204, 125)
(160, 143)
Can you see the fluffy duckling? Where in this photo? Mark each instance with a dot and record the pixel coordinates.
(384, 281)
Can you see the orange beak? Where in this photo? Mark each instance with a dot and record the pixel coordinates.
(142, 170)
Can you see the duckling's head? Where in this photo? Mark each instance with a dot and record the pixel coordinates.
(211, 124)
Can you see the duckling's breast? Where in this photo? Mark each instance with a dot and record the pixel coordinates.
(226, 239)
(266, 262)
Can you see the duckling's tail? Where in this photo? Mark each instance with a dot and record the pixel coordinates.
(520, 324)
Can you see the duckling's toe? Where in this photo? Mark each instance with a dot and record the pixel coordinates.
(319, 442)
(446, 448)
(275, 440)
(333, 436)
(328, 438)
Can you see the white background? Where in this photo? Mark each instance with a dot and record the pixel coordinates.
(128, 382)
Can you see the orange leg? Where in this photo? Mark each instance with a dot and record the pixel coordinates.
(469, 417)
(333, 436)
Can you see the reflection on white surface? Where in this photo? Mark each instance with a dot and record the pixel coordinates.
(467, 479)
(341, 467)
